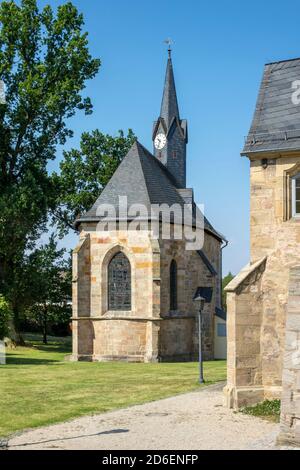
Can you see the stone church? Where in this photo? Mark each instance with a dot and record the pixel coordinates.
(133, 291)
(264, 299)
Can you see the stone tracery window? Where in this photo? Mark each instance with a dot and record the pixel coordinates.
(119, 283)
(296, 196)
(173, 285)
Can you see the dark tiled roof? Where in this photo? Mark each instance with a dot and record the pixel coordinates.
(207, 263)
(143, 179)
(205, 292)
(276, 121)
(169, 106)
(219, 312)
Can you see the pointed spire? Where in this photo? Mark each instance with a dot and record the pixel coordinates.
(169, 105)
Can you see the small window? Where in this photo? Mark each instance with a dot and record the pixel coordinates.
(221, 329)
(119, 283)
(173, 285)
(296, 196)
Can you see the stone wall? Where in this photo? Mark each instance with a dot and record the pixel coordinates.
(244, 372)
(192, 273)
(274, 234)
(110, 335)
(149, 331)
(290, 403)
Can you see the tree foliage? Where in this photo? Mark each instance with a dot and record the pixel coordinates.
(226, 280)
(50, 279)
(5, 317)
(86, 171)
(44, 63)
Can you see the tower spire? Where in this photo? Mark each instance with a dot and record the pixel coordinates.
(169, 105)
(169, 131)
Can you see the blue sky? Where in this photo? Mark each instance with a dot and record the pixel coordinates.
(219, 51)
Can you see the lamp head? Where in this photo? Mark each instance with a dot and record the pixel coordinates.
(199, 301)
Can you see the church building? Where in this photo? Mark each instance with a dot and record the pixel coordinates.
(263, 300)
(133, 290)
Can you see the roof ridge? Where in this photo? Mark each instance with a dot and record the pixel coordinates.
(281, 61)
(165, 170)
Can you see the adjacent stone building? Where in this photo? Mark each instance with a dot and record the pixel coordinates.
(257, 298)
(133, 291)
(290, 398)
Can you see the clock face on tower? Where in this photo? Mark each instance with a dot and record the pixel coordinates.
(160, 141)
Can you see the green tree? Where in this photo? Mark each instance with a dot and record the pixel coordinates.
(226, 280)
(5, 317)
(85, 172)
(44, 63)
(50, 280)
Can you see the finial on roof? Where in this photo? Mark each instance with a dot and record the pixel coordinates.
(169, 42)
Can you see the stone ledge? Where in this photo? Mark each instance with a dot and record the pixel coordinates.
(244, 274)
(108, 358)
(117, 318)
(236, 397)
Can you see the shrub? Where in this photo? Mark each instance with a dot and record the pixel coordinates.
(5, 316)
(268, 409)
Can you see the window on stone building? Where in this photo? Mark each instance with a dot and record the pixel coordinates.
(173, 285)
(119, 283)
(221, 327)
(296, 196)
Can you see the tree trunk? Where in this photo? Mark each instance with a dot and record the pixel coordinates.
(18, 338)
(45, 341)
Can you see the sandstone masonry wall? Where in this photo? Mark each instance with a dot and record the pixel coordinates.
(274, 234)
(290, 403)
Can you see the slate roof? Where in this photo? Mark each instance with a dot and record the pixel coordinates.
(219, 312)
(207, 263)
(143, 179)
(276, 121)
(169, 105)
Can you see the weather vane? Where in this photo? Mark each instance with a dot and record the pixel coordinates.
(169, 42)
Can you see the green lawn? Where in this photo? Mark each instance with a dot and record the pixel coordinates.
(38, 387)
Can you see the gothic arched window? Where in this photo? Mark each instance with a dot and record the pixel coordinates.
(119, 283)
(173, 285)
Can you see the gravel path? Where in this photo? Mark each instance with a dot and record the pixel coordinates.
(196, 420)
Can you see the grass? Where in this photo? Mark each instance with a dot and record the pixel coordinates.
(268, 409)
(38, 387)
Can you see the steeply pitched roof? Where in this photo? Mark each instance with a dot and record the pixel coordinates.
(276, 121)
(169, 106)
(143, 179)
(207, 263)
(219, 312)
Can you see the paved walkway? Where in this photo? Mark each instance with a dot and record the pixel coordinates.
(196, 420)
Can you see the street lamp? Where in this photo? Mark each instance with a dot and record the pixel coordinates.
(200, 301)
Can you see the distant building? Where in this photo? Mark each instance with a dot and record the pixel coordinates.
(133, 293)
(258, 297)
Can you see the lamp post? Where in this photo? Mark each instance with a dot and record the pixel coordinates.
(200, 301)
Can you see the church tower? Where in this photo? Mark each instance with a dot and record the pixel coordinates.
(170, 134)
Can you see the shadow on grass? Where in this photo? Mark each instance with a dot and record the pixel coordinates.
(20, 360)
(51, 348)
